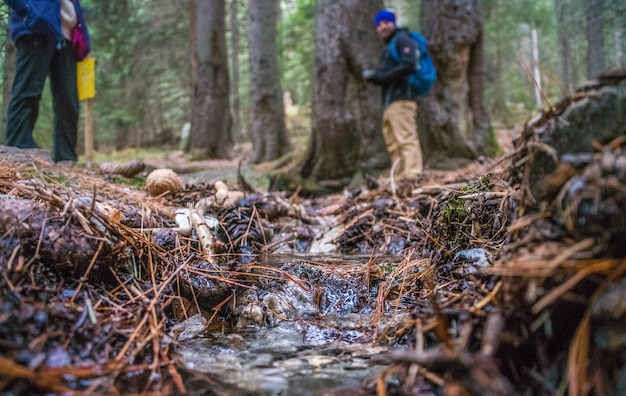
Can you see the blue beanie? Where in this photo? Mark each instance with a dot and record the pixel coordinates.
(385, 15)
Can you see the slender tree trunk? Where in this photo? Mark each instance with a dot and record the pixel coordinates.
(210, 117)
(346, 110)
(619, 42)
(476, 78)
(234, 61)
(534, 45)
(7, 83)
(596, 51)
(620, 10)
(269, 135)
(563, 48)
(498, 103)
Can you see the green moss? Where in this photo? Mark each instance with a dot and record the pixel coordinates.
(284, 181)
(135, 181)
(492, 148)
(50, 177)
(454, 214)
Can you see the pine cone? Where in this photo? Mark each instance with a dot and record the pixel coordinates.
(160, 181)
(127, 169)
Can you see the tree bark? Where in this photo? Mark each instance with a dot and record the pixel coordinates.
(269, 135)
(596, 51)
(346, 110)
(210, 117)
(453, 119)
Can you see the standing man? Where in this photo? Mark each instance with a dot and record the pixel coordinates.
(400, 108)
(41, 31)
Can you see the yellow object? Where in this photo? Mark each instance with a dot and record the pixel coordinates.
(86, 78)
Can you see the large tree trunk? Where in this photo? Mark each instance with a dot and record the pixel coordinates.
(453, 120)
(596, 51)
(269, 135)
(482, 132)
(210, 116)
(346, 110)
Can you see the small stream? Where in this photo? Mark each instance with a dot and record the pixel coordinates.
(296, 337)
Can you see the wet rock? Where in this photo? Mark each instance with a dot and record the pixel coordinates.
(189, 329)
(251, 315)
(304, 238)
(200, 285)
(467, 262)
(58, 357)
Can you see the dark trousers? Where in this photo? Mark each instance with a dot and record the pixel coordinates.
(36, 59)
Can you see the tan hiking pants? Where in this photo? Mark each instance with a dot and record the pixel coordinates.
(400, 133)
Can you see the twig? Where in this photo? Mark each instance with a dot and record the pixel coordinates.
(488, 298)
(571, 282)
(392, 179)
(486, 195)
(88, 270)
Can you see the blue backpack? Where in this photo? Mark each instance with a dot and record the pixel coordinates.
(423, 78)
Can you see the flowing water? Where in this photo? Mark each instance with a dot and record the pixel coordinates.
(314, 332)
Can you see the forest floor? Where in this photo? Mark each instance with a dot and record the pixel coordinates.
(192, 171)
(469, 285)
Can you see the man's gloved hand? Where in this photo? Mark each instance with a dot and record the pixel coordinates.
(369, 74)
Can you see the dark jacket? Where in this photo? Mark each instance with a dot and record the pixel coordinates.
(392, 75)
(40, 18)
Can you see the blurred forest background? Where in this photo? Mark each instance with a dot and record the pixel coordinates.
(535, 52)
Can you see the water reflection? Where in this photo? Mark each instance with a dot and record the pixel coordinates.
(295, 337)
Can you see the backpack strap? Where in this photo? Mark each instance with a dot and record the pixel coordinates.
(392, 47)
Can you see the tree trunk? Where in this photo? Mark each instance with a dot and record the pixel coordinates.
(534, 45)
(620, 12)
(269, 135)
(234, 60)
(453, 119)
(210, 117)
(563, 48)
(482, 131)
(7, 83)
(596, 50)
(346, 110)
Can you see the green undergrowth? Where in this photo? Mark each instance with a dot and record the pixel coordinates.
(126, 154)
(455, 212)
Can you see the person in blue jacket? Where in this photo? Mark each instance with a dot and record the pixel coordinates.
(399, 99)
(41, 31)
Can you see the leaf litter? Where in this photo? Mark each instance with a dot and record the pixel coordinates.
(470, 283)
